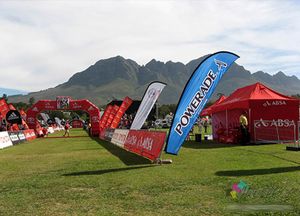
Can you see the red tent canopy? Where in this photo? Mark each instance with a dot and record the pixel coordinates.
(272, 116)
(208, 110)
(241, 97)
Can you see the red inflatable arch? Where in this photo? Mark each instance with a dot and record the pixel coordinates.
(65, 103)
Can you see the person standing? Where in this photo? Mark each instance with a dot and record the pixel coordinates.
(244, 128)
(67, 129)
(90, 128)
(205, 124)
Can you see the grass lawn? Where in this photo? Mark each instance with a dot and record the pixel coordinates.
(84, 176)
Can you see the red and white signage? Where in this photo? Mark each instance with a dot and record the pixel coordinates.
(50, 130)
(145, 143)
(5, 140)
(119, 137)
(29, 134)
(76, 123)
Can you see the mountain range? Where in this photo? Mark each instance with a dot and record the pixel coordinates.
(117, 77)
(10, 92)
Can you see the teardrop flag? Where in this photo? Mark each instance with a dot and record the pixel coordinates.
(196, 93)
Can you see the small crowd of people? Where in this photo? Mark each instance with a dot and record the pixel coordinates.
(126, 121)
(203, 122)
(5, 126)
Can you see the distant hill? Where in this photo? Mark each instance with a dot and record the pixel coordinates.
(118, 77)
(10, 92)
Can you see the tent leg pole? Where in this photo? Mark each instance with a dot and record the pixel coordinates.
(278, 138)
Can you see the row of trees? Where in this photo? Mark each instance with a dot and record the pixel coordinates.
(20, 105)
(162, 110)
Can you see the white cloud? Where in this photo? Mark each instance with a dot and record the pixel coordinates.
(45, 42)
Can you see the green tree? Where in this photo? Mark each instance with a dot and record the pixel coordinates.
(4, 96)
(165, 109)
(31, 101)
(21, 105)
(296, 96)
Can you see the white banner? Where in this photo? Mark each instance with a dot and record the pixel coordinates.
(21, 136)
(5, 140)
(50, 130)
(44, 117)
(119, 137)
(151, 95)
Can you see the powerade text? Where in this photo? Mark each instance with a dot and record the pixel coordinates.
(198, 97)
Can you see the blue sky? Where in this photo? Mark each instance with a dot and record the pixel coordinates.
(43, 43)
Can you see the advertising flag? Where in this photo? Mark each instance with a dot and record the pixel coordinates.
(151, 95)
(124, 106)
(112, 115)
(196, 93)
(3, 107)
(105, 116)
(44, 117)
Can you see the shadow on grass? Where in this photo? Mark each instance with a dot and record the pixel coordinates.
(206, 144)
(272, 155)
(126, 157)
(101, 172)
(258, 171)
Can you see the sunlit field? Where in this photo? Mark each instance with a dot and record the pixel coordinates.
(84, 176)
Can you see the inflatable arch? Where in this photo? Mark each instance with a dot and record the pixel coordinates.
(65, 103)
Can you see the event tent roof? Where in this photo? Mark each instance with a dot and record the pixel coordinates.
(240, 98)
(208, 110)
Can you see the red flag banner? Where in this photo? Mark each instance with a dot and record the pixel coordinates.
(105, 116)
(3, 108)
(124, 106)
(112, 115)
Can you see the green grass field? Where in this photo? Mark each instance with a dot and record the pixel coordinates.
(84, 176)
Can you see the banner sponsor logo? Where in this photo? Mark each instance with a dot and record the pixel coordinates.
(76, 106)
(142, 143)
(109, 134)
(274, 123)
(5, 140)
(77, 124)
(31, 120)
(62, 102)
(14, 137)
(91, 108)
(13, 117)
(274, 103)
(145, 143)
(35, 109)
(196, 93)
(21, 136)
(150, 97)
(29, 134)
(50, 106)
(119, 137)
(196, 101)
